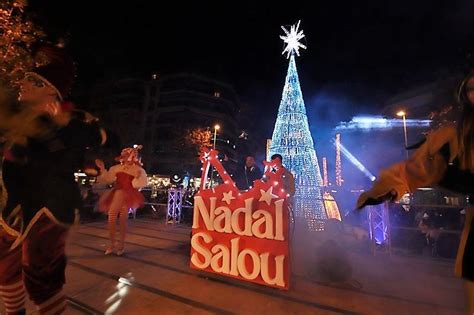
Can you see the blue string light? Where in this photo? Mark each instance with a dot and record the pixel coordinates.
(292, 139)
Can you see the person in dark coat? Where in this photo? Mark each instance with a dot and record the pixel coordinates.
(248, 174)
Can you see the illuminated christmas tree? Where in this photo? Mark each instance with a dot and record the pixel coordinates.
(292, 139)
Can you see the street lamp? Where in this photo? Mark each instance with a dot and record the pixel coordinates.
(403, 115)
(216, 127)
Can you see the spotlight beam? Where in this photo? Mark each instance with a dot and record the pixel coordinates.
(354, 161)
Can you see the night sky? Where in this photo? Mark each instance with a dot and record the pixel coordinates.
(359, 52)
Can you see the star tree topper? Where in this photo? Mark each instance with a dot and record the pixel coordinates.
(292, 40)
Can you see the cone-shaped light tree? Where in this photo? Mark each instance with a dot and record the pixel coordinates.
(292, 139)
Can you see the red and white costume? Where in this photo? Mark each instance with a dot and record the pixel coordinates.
(128, 177)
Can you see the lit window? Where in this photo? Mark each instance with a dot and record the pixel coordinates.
(217, 94)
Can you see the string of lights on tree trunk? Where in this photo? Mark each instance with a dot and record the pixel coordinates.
(339, 179)
(325, 173)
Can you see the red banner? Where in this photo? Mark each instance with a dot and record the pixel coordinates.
(242, 234)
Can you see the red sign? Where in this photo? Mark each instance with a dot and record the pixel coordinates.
(242, 234)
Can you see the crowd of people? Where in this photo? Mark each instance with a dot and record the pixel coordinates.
(46, 140)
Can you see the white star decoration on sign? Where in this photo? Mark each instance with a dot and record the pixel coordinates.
(228, 197)
(292, 40)
(267, 196)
